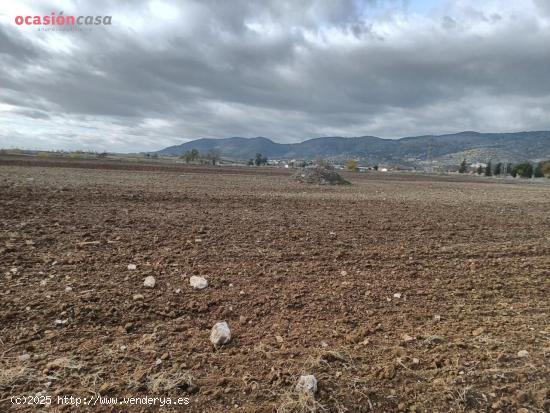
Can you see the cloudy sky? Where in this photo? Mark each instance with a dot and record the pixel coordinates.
(165, 72)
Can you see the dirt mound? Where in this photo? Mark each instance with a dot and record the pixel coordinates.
(319, 175)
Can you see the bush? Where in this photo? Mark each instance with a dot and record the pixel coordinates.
(546, 168)
(524, 170)
(352, 165)
(260, 160)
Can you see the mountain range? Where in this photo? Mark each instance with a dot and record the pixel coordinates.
(410, 151)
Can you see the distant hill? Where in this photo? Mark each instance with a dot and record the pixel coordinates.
(411, 151)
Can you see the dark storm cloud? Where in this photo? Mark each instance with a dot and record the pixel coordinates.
(169, 71)
(14, 46)
(33, 114)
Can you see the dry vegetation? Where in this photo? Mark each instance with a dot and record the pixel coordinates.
(399, 293)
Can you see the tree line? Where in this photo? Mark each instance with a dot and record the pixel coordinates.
(213, 157)
(194, 156)
(524, 170)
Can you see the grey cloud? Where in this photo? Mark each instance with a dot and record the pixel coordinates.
(283, 69)
(33, 114)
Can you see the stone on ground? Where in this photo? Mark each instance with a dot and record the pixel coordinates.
(220, 334)
(523, 354)
(149, 282)
(132, 267)
(198, 282)
(307, 384)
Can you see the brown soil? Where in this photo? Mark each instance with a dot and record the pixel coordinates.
(316, 266)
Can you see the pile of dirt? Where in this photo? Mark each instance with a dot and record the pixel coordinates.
(319, 175)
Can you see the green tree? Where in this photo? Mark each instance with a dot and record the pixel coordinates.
(498, 169)
(463, 167)
(375, 167)
(352, 165)
(546, 168)
(524, 170)
(489, 169)
(538, 173)
(251, 162)
(260, 160)
(509, 169)
(479, 170)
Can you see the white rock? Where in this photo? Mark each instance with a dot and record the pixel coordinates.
(136, 297)
(132, 267)
(437, 317)
(407, 338)
(523, 353)
(177, 291)
(343, 273)
(24, 357)
(220, 334)
(397, 295)
(198, 282)
(68, 289)
(61, 322)
(149, 281)
(307, 384)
